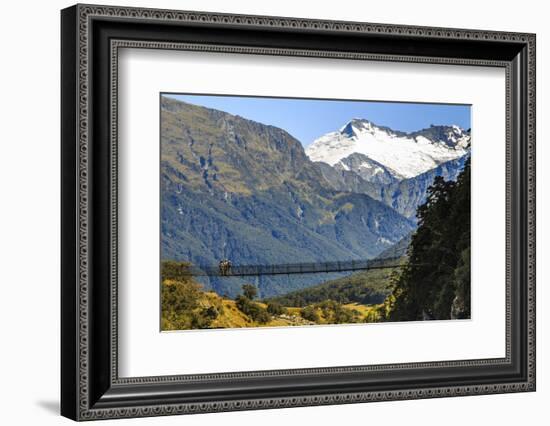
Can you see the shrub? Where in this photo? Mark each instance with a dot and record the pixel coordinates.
(310, 313)
(211, 312)
(275, 308)
(180, 296)
(343, 315)
(260, 314)
(252, 309)
(180, 299)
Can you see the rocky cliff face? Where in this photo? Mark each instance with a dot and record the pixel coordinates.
(406, 195)
(367, 168)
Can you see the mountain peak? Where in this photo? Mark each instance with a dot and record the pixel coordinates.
(406, 154)
(450, 135)
(358, 125)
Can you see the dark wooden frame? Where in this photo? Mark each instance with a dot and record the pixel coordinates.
(90, 386)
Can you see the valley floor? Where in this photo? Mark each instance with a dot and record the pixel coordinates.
(314, 314)
(229, 315)
(358, 298)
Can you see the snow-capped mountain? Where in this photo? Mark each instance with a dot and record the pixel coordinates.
(402, 155)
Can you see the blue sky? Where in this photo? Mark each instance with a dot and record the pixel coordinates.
(307, 119)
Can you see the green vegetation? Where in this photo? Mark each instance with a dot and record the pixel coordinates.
(334, 313)
(275, 308)
(254, 310)
(249, 291)
(185, 305)
(368, 287)
(435, 281)
(310, 313)
(180, 300)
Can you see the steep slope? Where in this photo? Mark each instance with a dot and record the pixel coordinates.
(370, 170)
(237, 189)
(406, 195)
(369, 287)
(398, 250)
(344, 180)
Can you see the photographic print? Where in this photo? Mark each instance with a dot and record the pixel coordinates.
(301, 212)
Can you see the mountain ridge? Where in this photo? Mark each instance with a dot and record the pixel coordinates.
(237, 189)
(406, 155)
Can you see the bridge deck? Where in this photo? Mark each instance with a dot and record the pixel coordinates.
(296, 268)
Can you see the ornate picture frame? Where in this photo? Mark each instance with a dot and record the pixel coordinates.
(91, 37)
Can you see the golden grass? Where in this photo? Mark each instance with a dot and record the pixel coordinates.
(230, 316)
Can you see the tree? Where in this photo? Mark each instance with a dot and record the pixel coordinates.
(252, 309)
(437, 271)
(310, 313)
(182, 299)
(461, 302)
(275, 308)
(249, 291)
(180, 296)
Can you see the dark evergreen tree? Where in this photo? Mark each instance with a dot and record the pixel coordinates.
(435, 282)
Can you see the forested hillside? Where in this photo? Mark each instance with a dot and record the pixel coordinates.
(369, 287)
(435, 281)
